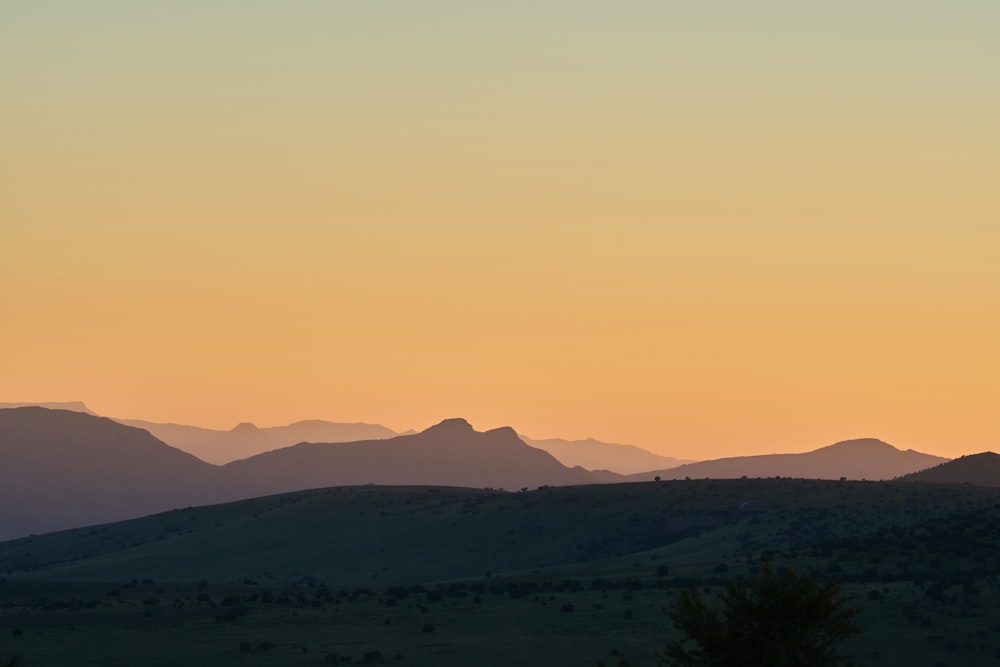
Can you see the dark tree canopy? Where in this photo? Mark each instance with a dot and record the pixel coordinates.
(779, 619)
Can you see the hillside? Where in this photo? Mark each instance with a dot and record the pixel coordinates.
(244, 440)
(441, 577)
(349, 536)
(596, 455)
(865, 458)
(63, 468)
(979, 469)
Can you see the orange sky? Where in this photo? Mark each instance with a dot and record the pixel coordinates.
(703, 232)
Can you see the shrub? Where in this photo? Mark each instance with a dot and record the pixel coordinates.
(777, 620)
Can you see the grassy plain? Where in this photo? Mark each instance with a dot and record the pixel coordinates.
(555, 576)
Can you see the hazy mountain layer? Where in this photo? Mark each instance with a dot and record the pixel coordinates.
(246, 439)
(62, 469)
(448, 454)
(73, 406)
(596, 455)
(865, 458)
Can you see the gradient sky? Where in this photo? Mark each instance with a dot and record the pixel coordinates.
(706, 228)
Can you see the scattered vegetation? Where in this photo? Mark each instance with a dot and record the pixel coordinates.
(568, 575)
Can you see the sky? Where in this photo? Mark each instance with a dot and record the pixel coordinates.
(705, 228)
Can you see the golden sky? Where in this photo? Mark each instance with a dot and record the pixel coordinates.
(707, 229)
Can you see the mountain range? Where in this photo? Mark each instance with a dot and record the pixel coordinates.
(63, 468)
(60, 468)
(246, 439)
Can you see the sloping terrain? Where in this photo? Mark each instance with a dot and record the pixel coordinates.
(446, 577)
(865, 458)
(62, 468)
(980, 469)
(357, 535)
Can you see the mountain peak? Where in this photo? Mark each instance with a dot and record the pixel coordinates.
(244, 427)
(860, 444)
(455, 425)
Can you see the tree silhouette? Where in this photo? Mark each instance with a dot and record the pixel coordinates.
(779, 619)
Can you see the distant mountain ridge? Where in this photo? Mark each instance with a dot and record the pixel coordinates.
(60, 469)
(72, 406)
(440, 456)
(863, 458)
(596, 455)
(246, 439)
(981, 469)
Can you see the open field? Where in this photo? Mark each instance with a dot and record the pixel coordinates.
(417, 576)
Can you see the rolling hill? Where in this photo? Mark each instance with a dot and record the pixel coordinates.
(979, 469)
(865, 458)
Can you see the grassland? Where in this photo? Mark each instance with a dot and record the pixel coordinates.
(554, 576)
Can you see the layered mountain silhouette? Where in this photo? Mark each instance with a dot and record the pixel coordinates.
(979, 469)
(451, 453)
(596, 455)
(219, 447)
(74, 406)
(60, 469)
(246, 439)
(865, 458)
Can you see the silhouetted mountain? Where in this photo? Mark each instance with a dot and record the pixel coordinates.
(979, 469)
(61, 468)
(865, 458)
(73, 406)
(448, 454)
(246, 439)
(596, 455)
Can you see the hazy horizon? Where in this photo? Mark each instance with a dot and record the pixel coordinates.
(234, 429)
(707, 229)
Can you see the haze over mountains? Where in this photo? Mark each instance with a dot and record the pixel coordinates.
(596, 455)
(246, 439)
(62, 469)
(863, 458)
